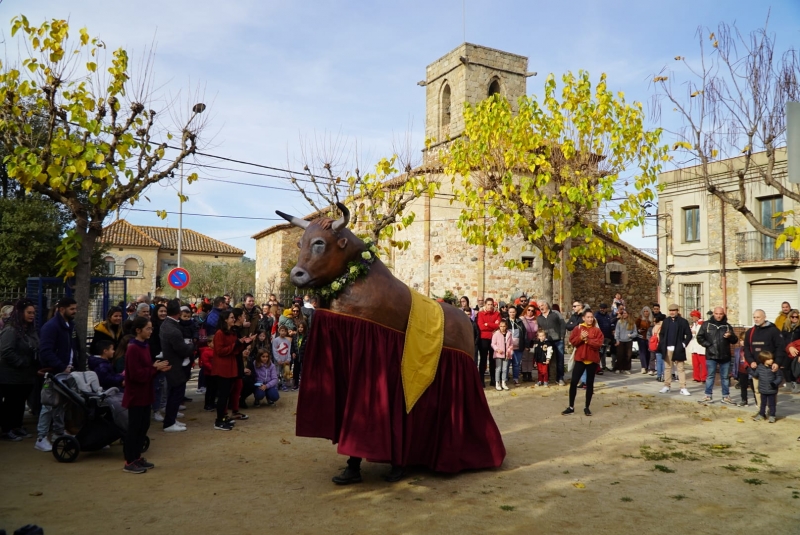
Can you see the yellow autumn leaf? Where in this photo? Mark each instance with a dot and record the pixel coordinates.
(706, 419)
(740, 420)
(695, 93)
(579, 485)
(716, 43)
(682, 145)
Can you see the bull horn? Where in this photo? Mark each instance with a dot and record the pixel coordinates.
(342, 222)
(296, 221)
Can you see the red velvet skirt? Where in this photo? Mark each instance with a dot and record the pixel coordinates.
(352, 394)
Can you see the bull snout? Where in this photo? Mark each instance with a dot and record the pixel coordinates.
(299, 277)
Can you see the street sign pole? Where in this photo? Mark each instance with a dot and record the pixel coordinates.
(180, 227)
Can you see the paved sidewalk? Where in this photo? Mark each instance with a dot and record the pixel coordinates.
(788, 403)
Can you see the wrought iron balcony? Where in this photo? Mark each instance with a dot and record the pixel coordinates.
(756, 249)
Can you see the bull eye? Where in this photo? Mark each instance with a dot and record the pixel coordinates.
(318, 246)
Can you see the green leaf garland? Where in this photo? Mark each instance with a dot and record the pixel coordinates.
(355, 270)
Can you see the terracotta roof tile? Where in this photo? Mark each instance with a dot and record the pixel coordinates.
(123, 233)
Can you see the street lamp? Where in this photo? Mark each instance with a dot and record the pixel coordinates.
(196, 110)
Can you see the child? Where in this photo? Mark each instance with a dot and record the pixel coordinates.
(768, 384)
(266, 375)
(118, 362)
(102, 366)
(261, 342)
(138, 397)
(298, 350)
(542, 351)
(282, 353)
(206, 360)
(503, 347)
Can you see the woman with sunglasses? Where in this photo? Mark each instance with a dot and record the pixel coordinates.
(624, 334)
(790, 333)
(531, 327)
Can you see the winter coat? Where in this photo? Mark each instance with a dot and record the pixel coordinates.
(765, 337)
(624, 334)
(139, 375)
(18, 356)
(288, 322)
(531, 328)
(712, 337)
(768, 380)
(683, 335)
(57, 340)
(226, 351)
(542, 351)
(694, 347)
(606, 323)
(518, 328)
(575, 319)
(103, 332)
(105, 372)
(553, 324)
(502, 345)
(252, 316)
(175, 351)
(212, 322)
(488, 323)
(267, 375)
(589, 350)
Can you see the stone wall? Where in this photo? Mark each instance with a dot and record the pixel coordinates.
(273, 252)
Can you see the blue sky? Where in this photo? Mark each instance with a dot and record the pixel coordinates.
(276, 72)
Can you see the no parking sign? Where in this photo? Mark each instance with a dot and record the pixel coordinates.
(178, 278)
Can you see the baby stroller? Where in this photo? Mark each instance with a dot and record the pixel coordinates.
(95, 421)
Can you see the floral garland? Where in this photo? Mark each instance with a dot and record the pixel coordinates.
(355, 270)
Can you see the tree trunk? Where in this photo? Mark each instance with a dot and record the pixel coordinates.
(547, 280)
(83, 276)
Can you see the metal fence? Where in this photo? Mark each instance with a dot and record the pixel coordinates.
(755, 247)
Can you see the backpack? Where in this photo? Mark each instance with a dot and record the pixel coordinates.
(653, 343)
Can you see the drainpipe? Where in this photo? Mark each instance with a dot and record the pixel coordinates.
(722, 271)
(426, 224)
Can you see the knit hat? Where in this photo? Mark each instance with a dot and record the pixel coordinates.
(695, 314)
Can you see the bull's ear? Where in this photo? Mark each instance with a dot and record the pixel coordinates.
(299, 245)
(342, 243)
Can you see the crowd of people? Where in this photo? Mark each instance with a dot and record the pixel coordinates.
(243, 353)
(250, 351)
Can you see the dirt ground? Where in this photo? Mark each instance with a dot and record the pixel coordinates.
(640, 464)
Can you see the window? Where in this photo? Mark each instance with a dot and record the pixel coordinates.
(771, 207)
(692, 298)
(110, 266)
(494, 87)
(615, 277)
(691, 224)
(131, 268)
(444, 121)
(527, 260)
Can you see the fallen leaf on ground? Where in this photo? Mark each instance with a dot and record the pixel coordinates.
(36, 493)
(513, 393)
(706, 419)
(284, 441)
(579, 485)
(740, 420)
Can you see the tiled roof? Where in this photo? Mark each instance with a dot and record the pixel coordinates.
(123, 233)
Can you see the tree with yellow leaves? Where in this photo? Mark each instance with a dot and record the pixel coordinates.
(542, 174)
(96, 146)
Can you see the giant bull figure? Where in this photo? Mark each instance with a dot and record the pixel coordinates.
(352, 391)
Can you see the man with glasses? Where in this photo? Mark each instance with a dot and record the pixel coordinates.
(717, 336)
(762, 336)
(555, 326)
(675, 336)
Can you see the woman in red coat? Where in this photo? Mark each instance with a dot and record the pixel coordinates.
(224, 368)
(488, 321)
(587, 339)
(140, 370)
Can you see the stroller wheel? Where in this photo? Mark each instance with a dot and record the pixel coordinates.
(66, 449)
(145, 444)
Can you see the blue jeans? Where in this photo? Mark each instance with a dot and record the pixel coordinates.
(724, 369)
(558, 349)
(660, 365)
(159, 392)
(517, 363)
(270, 393)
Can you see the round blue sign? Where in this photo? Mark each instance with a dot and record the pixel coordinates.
(178, 278)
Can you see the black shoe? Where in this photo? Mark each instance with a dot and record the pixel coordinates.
(228, 420)
(240, 416)
(243, 404)
(587, 412)
(133, 468)
(209, 408)
(347, 477)
(186, 400)
(144, 464)
(567, 411)
(395, 474)
(256, 403)
(222, 425)
(599, 373)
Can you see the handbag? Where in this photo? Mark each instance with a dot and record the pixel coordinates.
(795, 366)
(49, 395)
(571, 362)
(653, 343)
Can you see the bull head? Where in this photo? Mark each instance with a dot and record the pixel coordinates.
(325, 249)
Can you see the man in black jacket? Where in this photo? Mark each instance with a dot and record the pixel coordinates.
(717, 336)
(763, 336)
(675, 335)
(178, 351)
(607, 324)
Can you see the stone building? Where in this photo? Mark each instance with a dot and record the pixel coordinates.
(144, 254)
(709, 255)
(439, 259)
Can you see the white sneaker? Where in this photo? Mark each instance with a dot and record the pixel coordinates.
(180, 424)
(174, 428)
(505, 386)
(685, 392)
(644, 372)
(179, 415)
(158, 416)
(200, 390)
(498, 387)
(181, 407)
(664, 390)
(42, 444)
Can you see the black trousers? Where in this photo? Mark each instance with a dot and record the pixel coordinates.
(12, 405)
(744, 384)
(223, 393)
(248, 387)
(138, 424)
(298, 369)
(486, 352)
(768, 400)
(577, 371)
(211, 390)
(174, 398)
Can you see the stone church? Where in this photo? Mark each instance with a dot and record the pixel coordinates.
(439, 259)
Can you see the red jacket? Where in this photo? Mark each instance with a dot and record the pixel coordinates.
(225, 354)
(139, 374)
(488, 323)
(588, 351)
(206, 359)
